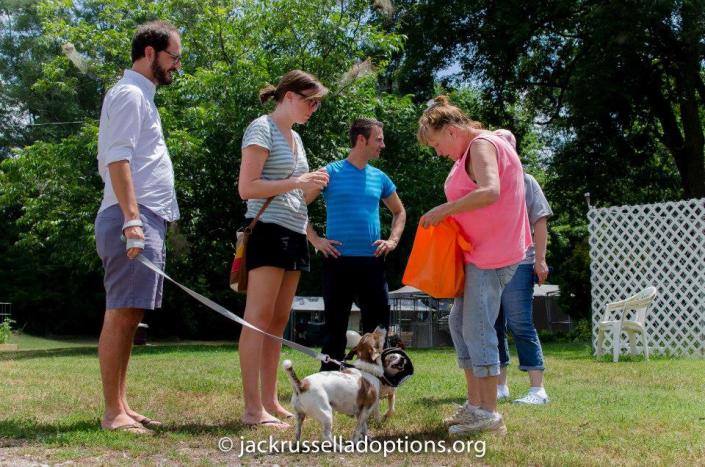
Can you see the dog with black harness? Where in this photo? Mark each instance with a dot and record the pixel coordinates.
(397, 367)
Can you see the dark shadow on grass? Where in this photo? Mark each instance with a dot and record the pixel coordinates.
(433, 433)
(227, 428)
(67, 352)
(622, 359)
(138, 350)
(426, 401)
(31, 430)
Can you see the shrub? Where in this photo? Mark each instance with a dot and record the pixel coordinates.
(6, 330)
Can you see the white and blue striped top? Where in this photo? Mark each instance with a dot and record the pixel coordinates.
(288, 209)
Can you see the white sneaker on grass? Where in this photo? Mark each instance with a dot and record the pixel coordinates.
(533, 398)
(482, 422)
(502, 393)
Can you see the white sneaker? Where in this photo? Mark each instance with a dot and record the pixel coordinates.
(532, 398)
(483, 422)
(462, 414)
(502, 394)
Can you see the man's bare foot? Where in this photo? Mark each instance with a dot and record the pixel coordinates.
(122, 419)
(145, 421)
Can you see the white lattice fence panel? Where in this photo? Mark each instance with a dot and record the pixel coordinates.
(633, 247)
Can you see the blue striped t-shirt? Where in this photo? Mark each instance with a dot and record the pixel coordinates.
(352, 206)
(287, 209)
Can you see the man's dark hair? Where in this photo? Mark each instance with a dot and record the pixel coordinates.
(153, 34)
(362, 126)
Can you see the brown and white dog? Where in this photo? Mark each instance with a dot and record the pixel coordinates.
(353, 391)
(392, 365)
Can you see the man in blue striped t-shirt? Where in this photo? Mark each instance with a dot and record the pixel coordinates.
(353, 268)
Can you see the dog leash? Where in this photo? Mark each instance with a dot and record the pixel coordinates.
(232, 316)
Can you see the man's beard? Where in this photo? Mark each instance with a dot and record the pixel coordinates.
(160, 74)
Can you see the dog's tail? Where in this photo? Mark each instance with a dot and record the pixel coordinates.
(295, 381)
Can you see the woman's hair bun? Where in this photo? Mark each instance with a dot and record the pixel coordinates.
(441, 100)
(266, 93)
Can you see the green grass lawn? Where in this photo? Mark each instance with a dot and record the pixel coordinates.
(630, 413)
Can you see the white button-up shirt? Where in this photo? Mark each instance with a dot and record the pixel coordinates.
(131, 130)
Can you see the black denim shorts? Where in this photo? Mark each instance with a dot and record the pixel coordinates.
(276, 246)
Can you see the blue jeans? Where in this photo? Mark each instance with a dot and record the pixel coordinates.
(473, 316)
(516, 313)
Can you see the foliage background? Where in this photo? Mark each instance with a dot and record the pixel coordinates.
(570, 78)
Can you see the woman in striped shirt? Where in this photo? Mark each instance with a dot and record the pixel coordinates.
(274, 164)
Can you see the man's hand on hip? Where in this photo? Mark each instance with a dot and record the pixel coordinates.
(384, 247)
(326, 246)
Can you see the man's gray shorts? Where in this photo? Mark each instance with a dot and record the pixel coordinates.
(128, 283)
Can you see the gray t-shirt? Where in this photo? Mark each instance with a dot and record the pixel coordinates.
(537, 207)
(288, 209)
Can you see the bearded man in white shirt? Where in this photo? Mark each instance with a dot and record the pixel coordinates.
(138, 201)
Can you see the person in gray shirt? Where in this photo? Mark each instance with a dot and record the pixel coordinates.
(516, 311)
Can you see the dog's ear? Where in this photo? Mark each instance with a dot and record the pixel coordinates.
(372, 354)
(358, 351)
(380, 335)
(365, 351)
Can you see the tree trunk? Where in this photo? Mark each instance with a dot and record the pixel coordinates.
(688, 80)
(684, 138)
(692, 171)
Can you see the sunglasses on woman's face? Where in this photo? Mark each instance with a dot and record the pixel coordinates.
(313, 102)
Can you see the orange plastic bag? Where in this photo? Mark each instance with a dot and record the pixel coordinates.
(436, 262)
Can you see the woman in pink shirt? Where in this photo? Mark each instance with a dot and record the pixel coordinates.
(485, 192)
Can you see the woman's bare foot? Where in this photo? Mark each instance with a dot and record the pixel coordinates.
(278, 410)
(263, 418)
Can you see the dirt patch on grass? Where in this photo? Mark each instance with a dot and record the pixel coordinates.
(24, 456)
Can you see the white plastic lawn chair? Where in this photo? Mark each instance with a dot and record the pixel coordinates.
(629, 317)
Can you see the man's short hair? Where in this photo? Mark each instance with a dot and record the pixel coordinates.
(154, 34)
(363, 126)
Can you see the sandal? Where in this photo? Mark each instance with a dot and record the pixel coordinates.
(149, 423)
(134, 428)
(274, 423)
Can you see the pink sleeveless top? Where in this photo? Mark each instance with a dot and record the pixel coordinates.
(499, 233)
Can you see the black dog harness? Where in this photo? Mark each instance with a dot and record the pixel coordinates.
(390, 380)
(403, 375)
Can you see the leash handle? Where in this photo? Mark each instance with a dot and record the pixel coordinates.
(132, 242)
